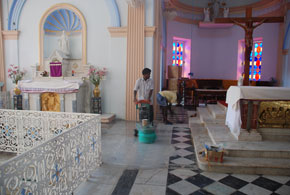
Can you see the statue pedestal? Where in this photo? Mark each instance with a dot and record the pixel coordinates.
(17, 99)
(96, 105)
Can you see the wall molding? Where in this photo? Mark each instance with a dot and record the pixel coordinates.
(118, 31)
(10, 34)
(122, 31)
(149, 31)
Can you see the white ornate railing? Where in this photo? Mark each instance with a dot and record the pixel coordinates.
(50, 164)
(21, 129)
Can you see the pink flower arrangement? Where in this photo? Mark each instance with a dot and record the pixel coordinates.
(14, 73)
(97, 74)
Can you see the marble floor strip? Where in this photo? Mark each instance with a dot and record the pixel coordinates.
(125, 182)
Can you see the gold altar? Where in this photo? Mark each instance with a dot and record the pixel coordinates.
(274, 114)
(50, 102)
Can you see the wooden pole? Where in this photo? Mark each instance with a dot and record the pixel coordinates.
(248, 45)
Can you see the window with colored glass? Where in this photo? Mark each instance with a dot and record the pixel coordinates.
(256, 61)
(177, 53)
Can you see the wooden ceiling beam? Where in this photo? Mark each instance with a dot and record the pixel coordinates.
(255, 19)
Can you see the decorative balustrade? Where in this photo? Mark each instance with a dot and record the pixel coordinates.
(5, 102)
(58, 151)
(21, 130)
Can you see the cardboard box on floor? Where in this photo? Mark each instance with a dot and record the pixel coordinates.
(174, 72)
(213, 156)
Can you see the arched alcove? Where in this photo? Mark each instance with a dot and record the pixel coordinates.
(72, 11)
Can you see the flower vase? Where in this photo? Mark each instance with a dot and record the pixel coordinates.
(16, 90)
(97, 91)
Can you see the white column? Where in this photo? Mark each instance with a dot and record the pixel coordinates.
(70, 102)
(25, 101)
(34, 102)
(62, 103)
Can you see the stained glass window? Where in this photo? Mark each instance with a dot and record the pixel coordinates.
(177, 53)
(256, 61)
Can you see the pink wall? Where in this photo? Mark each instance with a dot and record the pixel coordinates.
(214, 52)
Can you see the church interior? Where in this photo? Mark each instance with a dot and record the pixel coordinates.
(68, 73)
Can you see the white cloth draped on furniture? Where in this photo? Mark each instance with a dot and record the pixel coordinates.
(57, 86)
(236, 93)
(74, 93)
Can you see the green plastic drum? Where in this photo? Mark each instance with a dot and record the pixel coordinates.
(147, 138)
(146, 134)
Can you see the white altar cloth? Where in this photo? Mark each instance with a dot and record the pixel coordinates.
(235, 93)
(57, 86)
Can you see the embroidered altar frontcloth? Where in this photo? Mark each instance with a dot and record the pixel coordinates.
(57, 86)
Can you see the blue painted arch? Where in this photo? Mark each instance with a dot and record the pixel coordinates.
(114, 13)
(14, 14)
(62, 20)
(17, 5)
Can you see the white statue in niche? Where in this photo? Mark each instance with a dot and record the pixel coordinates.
(206, 15)
(64, 44)
(226, 12)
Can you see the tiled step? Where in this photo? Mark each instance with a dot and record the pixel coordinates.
(263, 149)
(206, 117)
(245, 157)
(216, 111)
(107, 118)
(266, 166)
(239, 159)
(193, 118)
(219, 133)
(275, 134)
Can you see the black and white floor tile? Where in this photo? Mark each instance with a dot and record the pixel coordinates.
(184, 176)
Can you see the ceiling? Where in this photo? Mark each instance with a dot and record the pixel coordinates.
(192, 11)
(229, 3)
(236, 6)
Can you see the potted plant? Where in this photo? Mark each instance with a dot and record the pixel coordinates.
(95, 76)
(15, 75)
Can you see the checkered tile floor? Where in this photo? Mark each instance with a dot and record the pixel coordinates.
(184, 177)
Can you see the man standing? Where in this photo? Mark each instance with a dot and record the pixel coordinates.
(144, 88)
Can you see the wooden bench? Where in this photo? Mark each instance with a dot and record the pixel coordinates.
(194, 90)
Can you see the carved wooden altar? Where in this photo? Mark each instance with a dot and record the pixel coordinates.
(265, 114)
(251, 108)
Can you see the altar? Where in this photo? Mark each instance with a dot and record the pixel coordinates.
(252, 107)
(60, 94)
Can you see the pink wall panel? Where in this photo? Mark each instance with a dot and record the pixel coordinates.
(214, 52)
